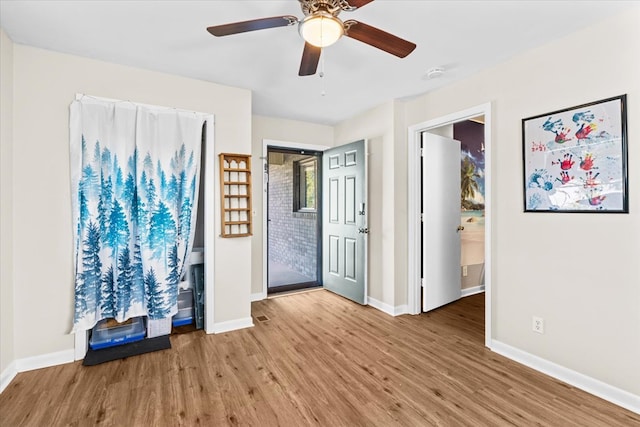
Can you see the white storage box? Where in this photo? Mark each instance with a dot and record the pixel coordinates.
(158, 327)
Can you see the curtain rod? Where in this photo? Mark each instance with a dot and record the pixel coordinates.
(79, 97)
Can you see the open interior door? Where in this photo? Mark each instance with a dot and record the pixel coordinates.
(344, 221)
(440, 221)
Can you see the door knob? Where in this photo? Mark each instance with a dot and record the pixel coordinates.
(363, 230)
(460, 228)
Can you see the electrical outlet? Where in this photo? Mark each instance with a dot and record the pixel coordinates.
(538, 325)
(465, 271)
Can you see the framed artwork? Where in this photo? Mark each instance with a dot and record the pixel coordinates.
(575, 160)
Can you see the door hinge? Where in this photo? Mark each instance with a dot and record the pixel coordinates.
(421, 217)
(422, 283)
(421, 152)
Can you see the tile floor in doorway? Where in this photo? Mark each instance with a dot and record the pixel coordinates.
(281, 275)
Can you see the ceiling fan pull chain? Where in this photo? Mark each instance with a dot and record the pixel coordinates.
(323, 91)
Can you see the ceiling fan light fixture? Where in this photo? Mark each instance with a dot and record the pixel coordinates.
(321, 29)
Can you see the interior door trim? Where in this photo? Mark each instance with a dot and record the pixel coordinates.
(414, 135)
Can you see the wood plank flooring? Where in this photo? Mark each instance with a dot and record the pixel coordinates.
(318, 360)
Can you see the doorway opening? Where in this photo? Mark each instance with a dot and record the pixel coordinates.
(294, 213)
(470, 189)
(477, 257)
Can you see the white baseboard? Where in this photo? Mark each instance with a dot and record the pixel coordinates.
(8, 375)
(232, 325)
(387, 308)
(467, 292)
(401, 309)
(258, 296)
(35, 362)
(45, 360)
(81, 344)
(596, 387)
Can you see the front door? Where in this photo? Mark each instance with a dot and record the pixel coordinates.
(344, 221)
(440, 221)
(293, 219)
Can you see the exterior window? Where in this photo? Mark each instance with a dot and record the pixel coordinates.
(304, 185)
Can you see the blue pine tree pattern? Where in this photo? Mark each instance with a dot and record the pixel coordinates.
(106, 162)
(142, 185)
(134, 214)
(80, 306)
(162, 231)
(124, 282)
(118, 228)
(84, 208)
(90, 181)
(129, 191)
(162, 177)
(107, 296)
(148, 164)
(157, 305)
(105, 201)
(91, 265)
(173, 278)
(151, 195)
(137, 289)
(172, 190)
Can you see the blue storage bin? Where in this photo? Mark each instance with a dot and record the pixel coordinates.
(185, 314)
(109, 333)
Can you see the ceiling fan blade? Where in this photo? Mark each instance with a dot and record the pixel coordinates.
(358, 3)
(310, 59)
(378, 38)
(253, 25)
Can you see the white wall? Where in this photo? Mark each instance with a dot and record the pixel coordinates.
(400, 202)
(7, 324)
(580, 272)
(44, 85)
(277, 130)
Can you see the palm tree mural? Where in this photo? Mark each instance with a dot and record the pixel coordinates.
(468, 183)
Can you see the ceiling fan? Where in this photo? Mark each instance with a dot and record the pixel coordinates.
(320, 28)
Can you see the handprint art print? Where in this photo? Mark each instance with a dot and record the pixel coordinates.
(575, 160)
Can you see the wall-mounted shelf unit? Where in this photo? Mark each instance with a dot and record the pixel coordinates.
(235, 194)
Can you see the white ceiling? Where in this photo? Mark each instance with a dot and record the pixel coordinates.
(463, 37)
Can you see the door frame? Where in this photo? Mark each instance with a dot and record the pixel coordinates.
(265, 235)
(414, 212)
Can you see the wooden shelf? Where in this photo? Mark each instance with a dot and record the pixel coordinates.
(235, 195)
(236, 170)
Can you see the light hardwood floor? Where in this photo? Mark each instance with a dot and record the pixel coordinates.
(318, 360)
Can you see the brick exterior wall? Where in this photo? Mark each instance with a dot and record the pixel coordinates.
(292, 235)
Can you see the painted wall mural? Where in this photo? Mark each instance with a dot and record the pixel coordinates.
(472, 190)
(471, 137)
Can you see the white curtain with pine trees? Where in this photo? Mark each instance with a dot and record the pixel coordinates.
(134, 176)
